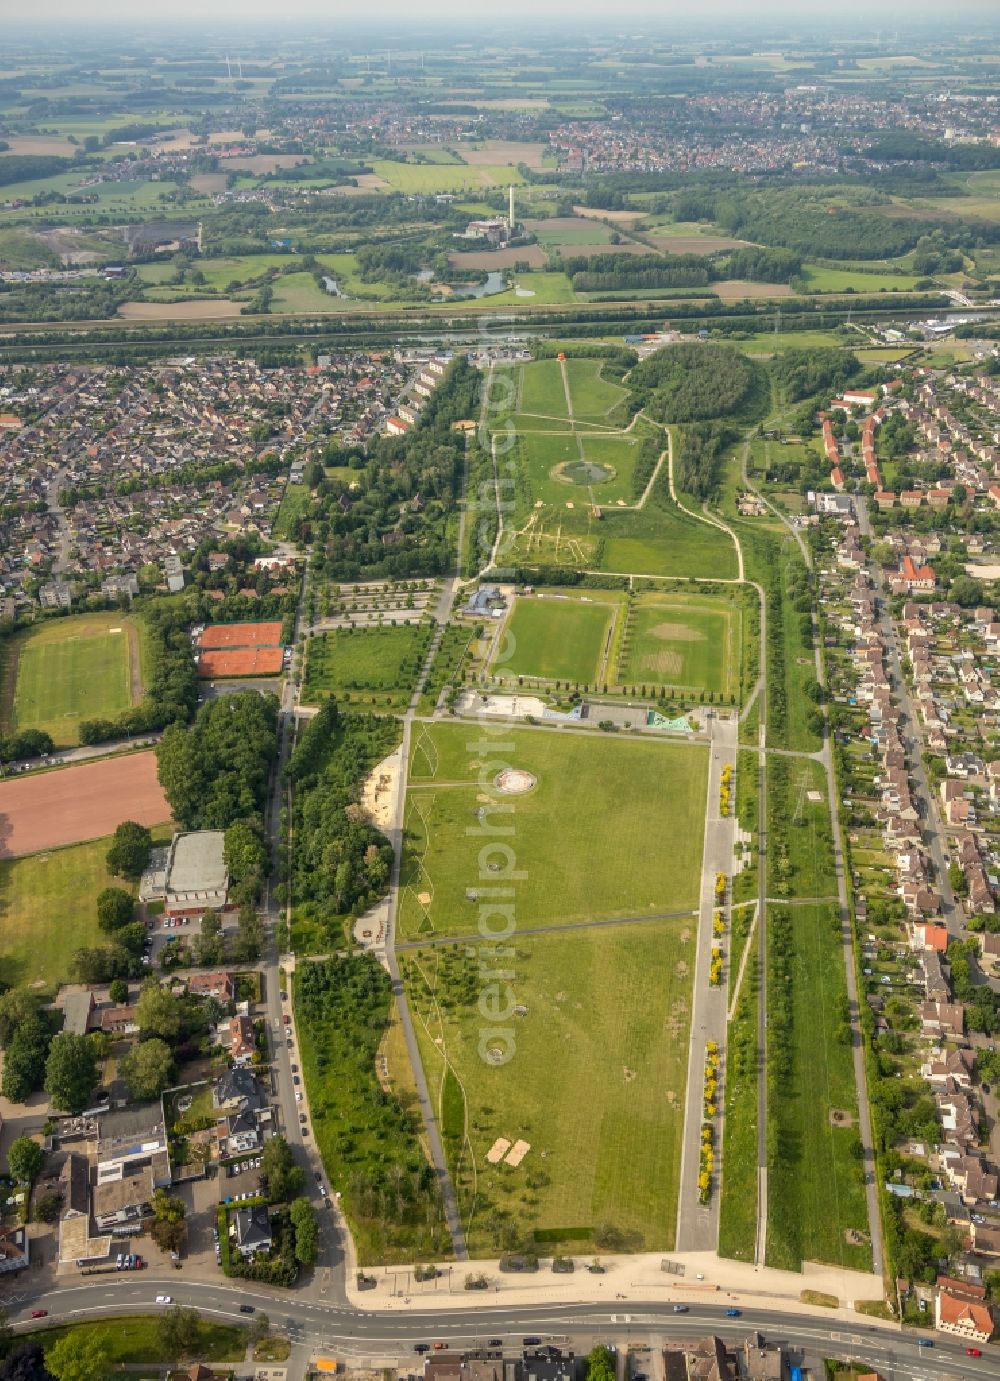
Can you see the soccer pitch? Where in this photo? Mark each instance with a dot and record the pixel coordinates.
(69, 670)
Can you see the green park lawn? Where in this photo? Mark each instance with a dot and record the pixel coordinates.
(581, 859)
(593, 396)
(592, 1077)
(377, 666)
(135, 1340)
(48, 910)
(688, 641)
(662, 539)
(815, 1188)
(542, 389)
(64, 671)
(558, 638)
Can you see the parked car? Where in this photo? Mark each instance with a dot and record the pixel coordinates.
(421, 1347)
(287, 1019)
(531, 1342)
(440, 1347)
(496, 1342)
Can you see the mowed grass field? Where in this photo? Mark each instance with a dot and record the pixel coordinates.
(815, 1189)
(614, 827)
(48, 910)
(376, 665)
(662, 539)
(558, 638)
(541, 389)
(593, 1079)
(593, 397)
(689, 641)
(67, 670)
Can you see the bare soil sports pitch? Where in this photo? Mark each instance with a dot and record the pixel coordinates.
(51, 809)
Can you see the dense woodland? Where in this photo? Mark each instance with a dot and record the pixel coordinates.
(690, 382)
(341, 863)
(215, 771)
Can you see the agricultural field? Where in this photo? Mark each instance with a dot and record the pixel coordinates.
(693, 642)
(417, 179)
(816, 1193)
(375, 667)
(68, 670)
(559, 637)
(601, 1022)
(48, 910)
(658, 791)
(820, 279)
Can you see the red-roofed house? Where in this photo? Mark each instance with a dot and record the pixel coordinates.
(837, 478)
(933, 937)
(960, 1309)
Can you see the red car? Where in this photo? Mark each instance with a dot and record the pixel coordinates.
(439, 1347)
(973, 1352)
(39, 1313)
(287, 1019)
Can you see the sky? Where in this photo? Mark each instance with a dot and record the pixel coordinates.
(341, 14)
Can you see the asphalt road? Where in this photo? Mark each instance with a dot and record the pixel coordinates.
(347, 1333)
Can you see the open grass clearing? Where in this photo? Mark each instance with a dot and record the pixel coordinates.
(67, 670)
(541, 389)
(692, 642)
(593, 397)
(584, 836)
(48, 910)
(136, 1340)
(559, 637)
(663, 539)
(602, 1024)
(815, 1178)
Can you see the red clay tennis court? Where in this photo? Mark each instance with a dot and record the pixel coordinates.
(240, 661)
(71, 804)
(241, 635)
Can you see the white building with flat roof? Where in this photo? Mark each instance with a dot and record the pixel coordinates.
(197, 879)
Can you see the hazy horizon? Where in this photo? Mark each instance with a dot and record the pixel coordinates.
(659, 14)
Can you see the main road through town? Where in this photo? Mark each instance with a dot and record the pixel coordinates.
(377, 1338)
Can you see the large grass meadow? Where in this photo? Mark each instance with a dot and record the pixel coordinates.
(559, 637)
(613, 828)
(67, 670)
(593, 1079)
